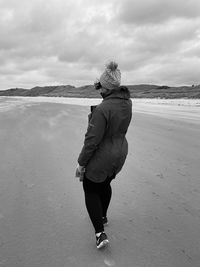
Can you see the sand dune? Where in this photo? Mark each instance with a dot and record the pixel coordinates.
(154, 217)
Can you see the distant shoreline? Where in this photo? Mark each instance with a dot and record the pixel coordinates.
(91, 101)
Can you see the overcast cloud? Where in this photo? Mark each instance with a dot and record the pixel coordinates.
(69, 41)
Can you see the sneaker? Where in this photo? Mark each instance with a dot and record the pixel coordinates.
(102, 240)
(105, 221)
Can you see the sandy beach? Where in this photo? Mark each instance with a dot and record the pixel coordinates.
(154, 216)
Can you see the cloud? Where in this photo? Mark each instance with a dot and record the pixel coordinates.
(156, 11)
(69, 42)
(181, 71)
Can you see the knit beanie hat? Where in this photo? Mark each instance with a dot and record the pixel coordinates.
(111, 77)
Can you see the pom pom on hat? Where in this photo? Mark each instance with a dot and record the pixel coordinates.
(111, 77)
(112, 66)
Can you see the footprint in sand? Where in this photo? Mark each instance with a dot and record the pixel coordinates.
(109, 262)
(160, 175)
(156, 195)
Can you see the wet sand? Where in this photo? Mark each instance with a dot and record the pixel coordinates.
(154, 217)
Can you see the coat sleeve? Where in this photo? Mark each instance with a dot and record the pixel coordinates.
(95, 132)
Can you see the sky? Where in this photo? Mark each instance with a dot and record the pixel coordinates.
(58, 42)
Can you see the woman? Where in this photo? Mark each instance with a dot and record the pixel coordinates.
(105, 147)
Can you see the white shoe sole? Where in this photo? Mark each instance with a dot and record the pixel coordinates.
(104, 243)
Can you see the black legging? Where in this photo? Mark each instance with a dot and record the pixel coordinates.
(97, 200)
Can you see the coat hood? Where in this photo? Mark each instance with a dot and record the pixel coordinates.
(122, 92)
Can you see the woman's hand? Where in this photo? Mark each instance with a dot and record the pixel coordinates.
(80, 171)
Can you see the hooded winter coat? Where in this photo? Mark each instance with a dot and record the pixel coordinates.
(105, 145)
